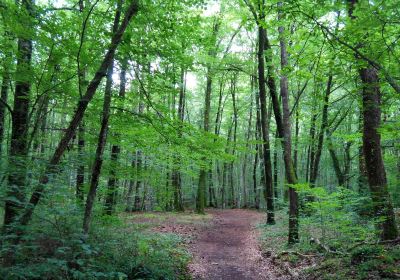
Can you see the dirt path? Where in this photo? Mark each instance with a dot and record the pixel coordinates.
(228, 248)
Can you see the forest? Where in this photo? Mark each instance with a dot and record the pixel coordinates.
(199, 139)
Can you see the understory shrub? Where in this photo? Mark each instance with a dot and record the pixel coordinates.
(56, 249)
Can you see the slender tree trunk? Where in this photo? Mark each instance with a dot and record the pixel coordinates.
(201, 190)
(102, 138)
(245, 159)
(139, 183)
(217, 125)
(347, 164)
(362, 170)
(287, 145)
(80, 175)
(176, 176)
(324, 125)
(4, 97)
(225, 169)
(255, 185)
(311, 148)
(233, 203)
(80, 171)
(269, 193)
(112, 192)
(275, 162)
(131, 189)
(296, 140)
(259, 150)
(336, 164)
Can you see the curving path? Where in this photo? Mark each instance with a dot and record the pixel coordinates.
(228, 248)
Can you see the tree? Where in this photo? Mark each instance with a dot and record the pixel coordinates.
(20, 123)
(201, 191)
(371, 100)
(82, 106)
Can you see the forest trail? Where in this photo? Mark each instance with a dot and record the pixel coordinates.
(228, 248)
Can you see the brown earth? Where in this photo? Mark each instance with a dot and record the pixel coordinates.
(228, 248)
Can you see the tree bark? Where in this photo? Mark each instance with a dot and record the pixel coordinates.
(201, 190)
(233, 202)
(14, 203)
(112, 192)
(373, 155)
(324, 125)
(176, 175)
(5, 84)
(362, 170)
(139, 168)
(101, 141)
(269, 192)
(371, 100)
(284, 130)
(80, 176)
(245, 159)
(336, 164)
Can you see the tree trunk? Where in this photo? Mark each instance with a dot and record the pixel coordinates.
(176, 176)
(80, 174)
(311, 148)
(201, 190)
(291, 178)
(371, 100)
(102, 138)
(373, 156)
(245, 159)
(269, 193)
(336, 164)
(296, 140)
(129, 195)
(14, 203)
(80, 170)
(4, 97)
(233, 203)
(362, 170)
(324, 124)
(112, 192)
(139, 168)
(275, 162)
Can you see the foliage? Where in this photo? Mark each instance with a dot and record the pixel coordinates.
(58, 250)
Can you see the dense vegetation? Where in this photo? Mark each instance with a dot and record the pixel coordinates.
(112, 107)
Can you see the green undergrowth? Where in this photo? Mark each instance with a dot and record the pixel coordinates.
(338, 240)
(56, 249)
(153, 219)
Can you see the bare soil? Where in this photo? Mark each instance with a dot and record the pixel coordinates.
(228, 248)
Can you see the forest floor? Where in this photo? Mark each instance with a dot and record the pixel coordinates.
(224, 244)
(236, 244)
(229, 248)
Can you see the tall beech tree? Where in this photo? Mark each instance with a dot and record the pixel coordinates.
(284, 131)
(201, 190)
(375, 167)
(16, 192)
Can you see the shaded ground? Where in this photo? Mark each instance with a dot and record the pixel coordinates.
(228, 248)
(224, 243)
